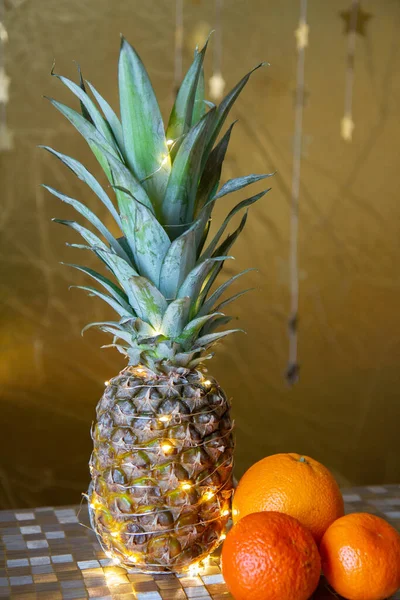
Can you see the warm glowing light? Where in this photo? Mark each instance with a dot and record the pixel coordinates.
(226, 513)
(194, 569)
(206, 561)
(114, 533)
(108, 554)
(235, 512)
(164, 419)
(164, 161)
(208, 495)
(170, 142)
(92, 505)
(107, 383)
(207, 382)
(139, 371)
(186, 485)
(167, 448)
(223, 536)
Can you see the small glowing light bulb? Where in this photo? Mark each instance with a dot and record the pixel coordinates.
(108, 554)
(207, 382)
(194, 569)
(170, 142)
(92, 505)
(164, 419)
(164, 160)
(225, 513)
(166, 448)
(209, 495)
(107, 382)
(114, 533)
(235, 512)
(116, 561)
(222, 536)
(186, 485)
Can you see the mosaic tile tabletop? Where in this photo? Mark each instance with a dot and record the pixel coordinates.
(49, 553)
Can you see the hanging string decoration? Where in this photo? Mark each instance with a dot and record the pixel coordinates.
(301, 35)
(217, 82)
(355, 21)
(5, 134)
(178, 62)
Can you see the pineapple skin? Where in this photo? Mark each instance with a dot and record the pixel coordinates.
(161, 468)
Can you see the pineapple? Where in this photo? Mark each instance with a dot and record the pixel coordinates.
(163, 445)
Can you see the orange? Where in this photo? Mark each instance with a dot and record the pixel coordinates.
(270, 556)
(293, 484)
(361, 557)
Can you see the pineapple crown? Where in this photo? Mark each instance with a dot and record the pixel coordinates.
(166, 183)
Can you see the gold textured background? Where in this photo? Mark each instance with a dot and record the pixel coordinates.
(345, 409)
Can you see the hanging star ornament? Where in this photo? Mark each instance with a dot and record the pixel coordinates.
(6, 138)
(3, 33)
(301, 35)
(4, 85)
(361, 22)
(347, 128)
(217, 86)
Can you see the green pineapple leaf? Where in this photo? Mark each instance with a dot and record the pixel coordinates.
(192, 329)
(178, 262)
(92, 218)
(179, 200)
(122, 176)
(182, 117)
(151, 244)
(222, 249)
(148, 302)
(214, 324)
(175, 317)
(248, 202)
(113, 303)
(206, 341)
(199, 107)
(233, 298)
(233, 185)
(195, 280)
(114, 290)
(144, 138)
(83, 174)
(209, 181)
(84, 110)
(96, 117)
(88, 131)
(210, 302)
(225, 106)
(111, 117)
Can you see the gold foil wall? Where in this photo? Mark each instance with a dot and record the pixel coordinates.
(345, 409)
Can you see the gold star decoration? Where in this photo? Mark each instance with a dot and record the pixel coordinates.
(217, 86)
(3, 33)
(301, 35)
(361, 23)
(4, 85)
(347, 128)
(6, 138)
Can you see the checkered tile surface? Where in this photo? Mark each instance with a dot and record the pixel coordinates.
(49, 553)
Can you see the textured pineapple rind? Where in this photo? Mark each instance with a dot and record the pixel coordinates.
(161, 468)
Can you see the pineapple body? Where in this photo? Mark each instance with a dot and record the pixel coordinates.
(161, 468)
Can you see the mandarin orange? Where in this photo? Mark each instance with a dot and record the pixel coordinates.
(293, 484)
(270, 556)
(361, 557)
